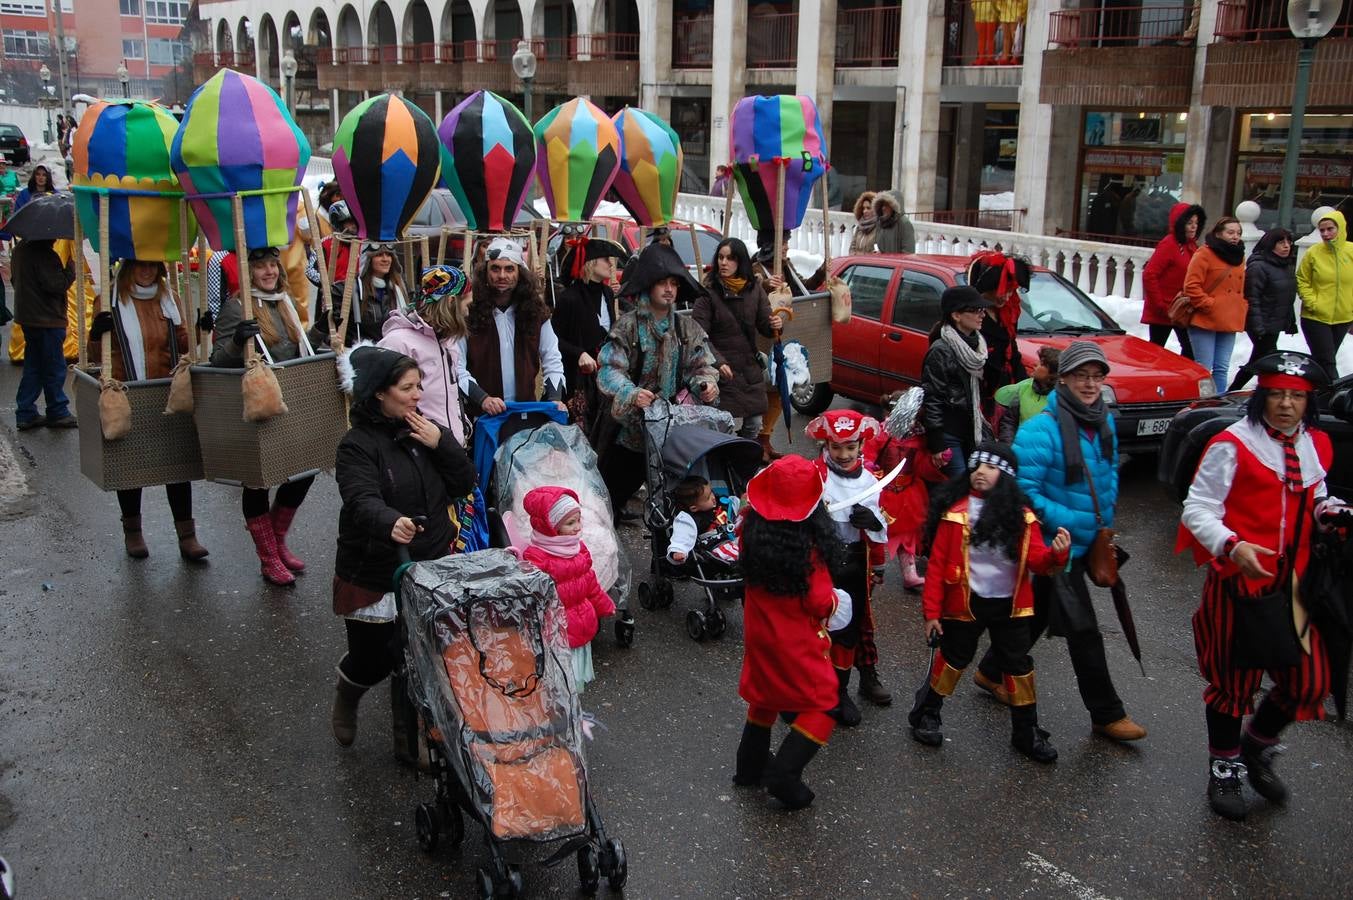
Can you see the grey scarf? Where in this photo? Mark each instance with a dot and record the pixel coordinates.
(972, 359)
(1072, 415)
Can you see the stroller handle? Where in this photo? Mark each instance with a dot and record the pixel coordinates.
(402, 553)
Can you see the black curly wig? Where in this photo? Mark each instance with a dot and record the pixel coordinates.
(1254, 408)
(778, 555)
(532, 310)
(1001, 524)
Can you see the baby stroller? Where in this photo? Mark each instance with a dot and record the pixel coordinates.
(487, 654)
(532, 446)
(692, 440)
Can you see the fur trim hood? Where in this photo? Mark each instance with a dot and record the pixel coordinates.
(864, 204)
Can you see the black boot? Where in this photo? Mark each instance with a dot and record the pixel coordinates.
(784, 773)
(925, 717)
(1258, 760)
(347, 694)
(753, 753)
(846, 712)
(1224, 790)
(1027, 737)
(872, 689)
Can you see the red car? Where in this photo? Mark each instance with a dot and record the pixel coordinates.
(631, 236)
(896, 301)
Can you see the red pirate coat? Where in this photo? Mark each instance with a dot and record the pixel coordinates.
(946, 593)
(786, 664)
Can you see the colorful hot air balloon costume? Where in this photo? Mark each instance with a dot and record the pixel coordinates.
(492, 152)
(387, 159)
(577, 158)
(769, 133)
(650, 166)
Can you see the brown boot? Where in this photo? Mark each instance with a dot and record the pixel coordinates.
(768, 453)
(131, 537)
(872, 689)
(189, 548)
(347, 694)
(995, 688)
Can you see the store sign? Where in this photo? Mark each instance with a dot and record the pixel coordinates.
(1311, 173)
(1106, 161)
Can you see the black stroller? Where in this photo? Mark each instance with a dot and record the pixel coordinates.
(486, 651)
(692, 440)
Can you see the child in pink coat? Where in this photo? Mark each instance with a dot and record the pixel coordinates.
(557, 549)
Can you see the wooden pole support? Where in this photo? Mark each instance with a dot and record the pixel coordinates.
(779, 216)
(79, 260)
(728, 202)
(246, 283)
(347, 305)
(317, 247)
(105, 278)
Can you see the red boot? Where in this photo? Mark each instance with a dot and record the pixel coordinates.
(265, 542)
(281, 523)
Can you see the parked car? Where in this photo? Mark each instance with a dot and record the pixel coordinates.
(896, 301)
(1196, 424)
(441, 210)
(686, 239)
(14, 145)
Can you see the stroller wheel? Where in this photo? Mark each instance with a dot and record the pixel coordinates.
(695, 624)
(427, 826)
(615, 865)
(715, 623)
(589, 870)
(484, 881)
(452, 823)
(624, 632)
(666, 595)
(647, 596)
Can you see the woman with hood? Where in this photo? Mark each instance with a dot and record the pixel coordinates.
(1163, 276)
(40, 182)
(427, 334)
(1215, 286)
(865, 224)
(1270, 289)
(1325, 285)
(894, 232)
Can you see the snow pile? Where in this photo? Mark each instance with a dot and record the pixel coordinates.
(1003, 200)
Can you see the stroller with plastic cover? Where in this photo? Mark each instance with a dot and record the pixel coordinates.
(693, 440)
(532, 445)
(486, 647)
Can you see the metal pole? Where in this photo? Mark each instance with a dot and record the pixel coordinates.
(530, 117)
(1305, 57)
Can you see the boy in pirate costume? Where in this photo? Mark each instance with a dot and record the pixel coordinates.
(984, 544)
(1258, 494)
(862, 527)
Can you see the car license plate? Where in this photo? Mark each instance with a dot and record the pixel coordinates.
(1152, 427)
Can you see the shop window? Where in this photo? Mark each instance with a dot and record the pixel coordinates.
(868, 288)
(1324, 169)
(1132, 173)
(918, 301)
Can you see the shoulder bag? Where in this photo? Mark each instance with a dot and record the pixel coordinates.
(1101, 560)
(1264, 635)
(1181, 307)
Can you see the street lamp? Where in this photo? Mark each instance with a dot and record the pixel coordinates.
(524, 64)
(46, 75)
(1309, 20)
(124, 77)
(289, 80)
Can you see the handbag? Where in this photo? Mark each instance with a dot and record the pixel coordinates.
(1264, 635)
(1181, 307)
(1101, 560)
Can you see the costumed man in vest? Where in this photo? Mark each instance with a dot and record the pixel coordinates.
(510, 340)
(1258, 495)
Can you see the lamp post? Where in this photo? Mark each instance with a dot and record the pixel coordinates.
(524, 64)
(124, 77)
(46, 75)
(289, 81)
(1309, 20)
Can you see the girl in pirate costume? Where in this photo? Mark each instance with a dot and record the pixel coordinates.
(984, 545)
(1258, 493)
(861, 526)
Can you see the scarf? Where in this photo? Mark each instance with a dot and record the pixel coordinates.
(867, 224)
(735, 284)
(1231, 254)
(973, 360)
(131, 340)
(565, 546)
(1072, 416)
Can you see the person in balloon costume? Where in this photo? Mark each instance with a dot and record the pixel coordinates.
(510, 340)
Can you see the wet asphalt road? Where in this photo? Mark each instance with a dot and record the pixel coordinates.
(164, 733)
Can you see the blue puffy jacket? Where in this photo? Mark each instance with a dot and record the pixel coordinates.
(1042, 475)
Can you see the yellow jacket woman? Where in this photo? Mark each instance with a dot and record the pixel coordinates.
(1325, 286)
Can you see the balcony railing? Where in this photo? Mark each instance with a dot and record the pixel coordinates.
(1124, 26)
(868, 38)
(772, 40)
(693, 42)
(604, 46)
(1266, 20)
(998, 219)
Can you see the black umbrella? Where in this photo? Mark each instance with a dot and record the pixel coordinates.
(1325, 594)
(47, 217)
(1120, 605)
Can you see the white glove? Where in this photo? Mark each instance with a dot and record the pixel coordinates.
(840, 618)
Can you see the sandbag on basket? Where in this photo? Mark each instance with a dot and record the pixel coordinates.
(261, 395)
(180, 388)
(115, 411)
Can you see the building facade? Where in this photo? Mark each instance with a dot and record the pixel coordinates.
(1087, 117)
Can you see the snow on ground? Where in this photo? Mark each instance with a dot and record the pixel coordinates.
(1127, 313)
(1003, 200)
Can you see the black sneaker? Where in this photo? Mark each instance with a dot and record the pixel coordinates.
(31, 424)
(846, 713)
(1259, 766)
(66, 421)
(925, 727)
(1224, 790)
(1033, 743)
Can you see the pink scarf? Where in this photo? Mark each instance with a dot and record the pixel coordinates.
(563, 545)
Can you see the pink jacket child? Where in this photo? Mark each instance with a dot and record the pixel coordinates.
(557, 550)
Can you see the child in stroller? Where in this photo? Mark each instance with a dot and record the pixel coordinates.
(679, 442)
(703, 524)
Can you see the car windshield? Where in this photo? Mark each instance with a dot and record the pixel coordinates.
(1051, 306)
(685, 247)
(10, 131)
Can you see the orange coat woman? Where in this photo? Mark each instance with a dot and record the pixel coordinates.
(1215, 286)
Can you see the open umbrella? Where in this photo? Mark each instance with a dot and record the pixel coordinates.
(47, 217)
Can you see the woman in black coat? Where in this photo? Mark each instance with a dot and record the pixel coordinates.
(951, 377)
(394, 466)
(733, 309)
(1271, 290)
(583, 316)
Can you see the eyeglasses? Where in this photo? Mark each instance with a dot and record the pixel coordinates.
(1284, 394)
(1095, 377)
(971, 310)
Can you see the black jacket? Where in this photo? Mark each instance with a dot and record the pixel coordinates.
(1004, 365)
(384, 474)
(732, 322)
(577, 324)
(947, 407)
(1271, 289)
(40, 285)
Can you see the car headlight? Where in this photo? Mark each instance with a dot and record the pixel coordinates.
(1206, 388)
(1106, 391)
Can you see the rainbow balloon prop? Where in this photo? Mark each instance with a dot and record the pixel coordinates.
(577, 157)
(122, 147)
(492, 151)
(387, 159)
(237, 138)
(650, 166)
(768, 132)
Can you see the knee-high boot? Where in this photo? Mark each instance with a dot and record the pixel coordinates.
(784, 774)
(265, 544)
(753, 753)
(281, 517)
